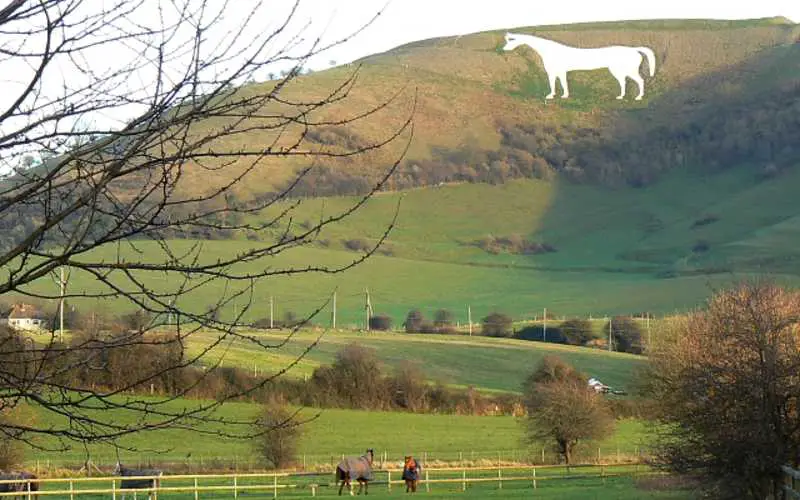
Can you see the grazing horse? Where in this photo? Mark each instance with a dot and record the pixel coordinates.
(23, 486)
(358, 468)
(139, 484)
(558, 59)
(411, 471)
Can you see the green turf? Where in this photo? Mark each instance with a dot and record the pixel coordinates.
(485, 363)
(331, 433)
(619, 251)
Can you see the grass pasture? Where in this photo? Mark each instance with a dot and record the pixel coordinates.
(577, 482)
(439, 438)
(590, 482)
(618, 251)
(488, 364)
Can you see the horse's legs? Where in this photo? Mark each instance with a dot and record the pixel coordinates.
(620, 77)
(564, 85)
(636, 77)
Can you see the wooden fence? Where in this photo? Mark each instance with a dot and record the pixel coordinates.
(310, 483)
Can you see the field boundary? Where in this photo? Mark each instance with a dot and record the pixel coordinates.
(275, 482)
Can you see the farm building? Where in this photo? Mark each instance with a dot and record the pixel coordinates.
(26, 317)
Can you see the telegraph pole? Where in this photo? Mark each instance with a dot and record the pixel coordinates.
(271, 324)
(609, 333)
(333, 320)
(469, 319)
(367, 308)
(544, 327)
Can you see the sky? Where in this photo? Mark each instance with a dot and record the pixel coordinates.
(404, 21)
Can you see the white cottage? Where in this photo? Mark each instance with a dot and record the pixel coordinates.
(26, 317)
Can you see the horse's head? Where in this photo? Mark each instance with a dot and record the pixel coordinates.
(370, 455)
(410, 463)
(117, 469)
(513, 41)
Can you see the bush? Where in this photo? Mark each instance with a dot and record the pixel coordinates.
(497, 324)
(380, 322)
(576, 331)
(278, 435)
(414, 321)
(537, 333)
(442, 318)
(12, 450)
(357, 245)
(626, 334)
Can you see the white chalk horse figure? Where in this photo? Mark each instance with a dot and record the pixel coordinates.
(558, 59)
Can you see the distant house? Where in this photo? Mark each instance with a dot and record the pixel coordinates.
(26, 317)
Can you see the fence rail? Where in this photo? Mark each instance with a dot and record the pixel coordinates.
(312, 482)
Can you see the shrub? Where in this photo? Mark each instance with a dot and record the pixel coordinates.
(626, 334)
(357, 245)
(537, 333)
(497, 324)
(704, 221)
(278, 435)
(576, 331)
(380, 322)
(442, 318)
(414, 321)
(701, 246)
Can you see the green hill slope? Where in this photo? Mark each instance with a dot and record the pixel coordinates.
(480, 113)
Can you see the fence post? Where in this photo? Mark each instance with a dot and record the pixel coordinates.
(235, 487)
(113, 489)
(499, 477)
(196, 492)
(464, 479)
(534, 477)
(427, 484)
(71, 491)
(274, 486)
(389, 479)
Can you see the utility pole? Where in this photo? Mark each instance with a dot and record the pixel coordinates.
(544, 328)
(63, 283)
(271, 324)
(609, 333)
(367, 308)
(469, 319)
(333, 319)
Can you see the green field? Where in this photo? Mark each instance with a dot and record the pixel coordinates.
(610, 260)
(488, 364)
(551, 483)
(331, 433)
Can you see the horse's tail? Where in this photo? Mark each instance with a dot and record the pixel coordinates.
(341, 475)
(651, 58)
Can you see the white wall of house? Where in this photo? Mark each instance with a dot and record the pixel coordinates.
(26, 323)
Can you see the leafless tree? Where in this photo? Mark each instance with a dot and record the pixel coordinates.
(727, 391)
(112, 114)
(562, 409)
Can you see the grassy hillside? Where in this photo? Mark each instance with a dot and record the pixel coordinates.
(485, 363)
(468, 92)
(660, 247)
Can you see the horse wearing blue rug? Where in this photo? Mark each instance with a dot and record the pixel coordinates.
(23, 483)
(151, 483)
(358, 468)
